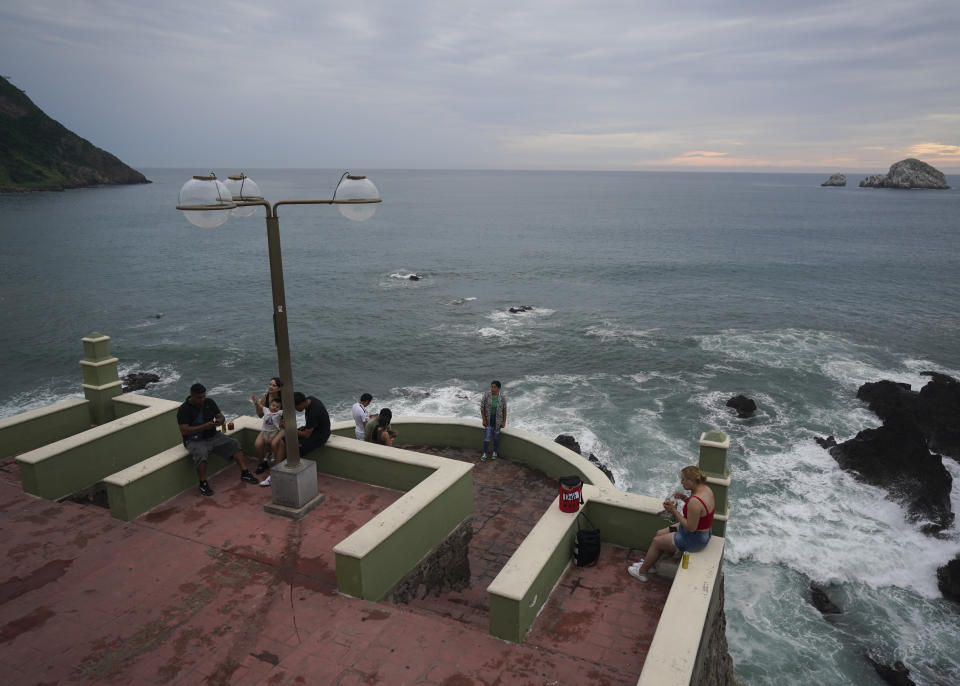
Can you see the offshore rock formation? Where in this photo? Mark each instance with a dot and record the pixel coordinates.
(897, 456)
(836, 180)
(38, 153)
(744, 406)
(908, 173)
(896, 674)
(138, 380)
(570, 442)
(948, 579)
(821, 601)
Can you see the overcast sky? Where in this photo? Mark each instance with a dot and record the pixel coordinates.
(543, 84)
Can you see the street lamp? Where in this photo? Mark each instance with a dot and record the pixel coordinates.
(208, 202)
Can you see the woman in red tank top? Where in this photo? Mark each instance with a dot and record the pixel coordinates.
(691, 533)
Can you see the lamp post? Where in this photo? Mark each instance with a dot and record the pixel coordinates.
(207, 203)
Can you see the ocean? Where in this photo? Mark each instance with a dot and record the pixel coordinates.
(655, 297)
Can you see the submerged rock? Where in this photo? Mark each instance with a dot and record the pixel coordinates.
(948, 579)
(836, 180)
(821, 601)
(138, 380)
(908, 173)
(520, 308)
(896, 675)
(744, 406)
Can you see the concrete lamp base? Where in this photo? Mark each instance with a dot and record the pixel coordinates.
(294, 491)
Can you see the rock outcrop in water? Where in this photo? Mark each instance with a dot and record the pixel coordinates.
(897, 456)
(821, 601)
(138, 380)
(948, 579)
(908, 173)
(744, 406)
(896, 674)
(38, 153)
(836, 180)
(570, 442)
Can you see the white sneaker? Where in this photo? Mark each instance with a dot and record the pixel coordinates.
(265, 482)
(483, 457)
(494, 456)
(636, 565)
(636, 574)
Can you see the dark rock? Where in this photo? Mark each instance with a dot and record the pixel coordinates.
(821, 601)
(908, 173)
(948, 579)
(835, 180)
(744, 406)
(935, 409)
(825, 443)
(138, 380)
(413, 277)
(895, 457)
(570, 442)
(896, 675)
(520, 308)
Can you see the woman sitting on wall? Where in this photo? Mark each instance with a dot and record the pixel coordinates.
(691, 533)
(381, 432)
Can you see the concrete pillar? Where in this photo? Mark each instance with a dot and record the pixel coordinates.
(101, 383)
(713, 463)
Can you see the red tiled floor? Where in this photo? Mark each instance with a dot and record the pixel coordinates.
(215, 591)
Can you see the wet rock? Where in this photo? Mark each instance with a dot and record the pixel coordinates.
(908, 173)
(948, 579)
(825, 443)
(520, 308)
(570, 442)
(821, 601)
(835, 180)
(744, 406)
(138, 380)
(895, 457)
(896, 675)
(414, 277)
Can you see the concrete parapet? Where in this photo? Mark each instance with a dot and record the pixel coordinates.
(30, 430)
(100, 380)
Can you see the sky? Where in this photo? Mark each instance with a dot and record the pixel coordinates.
(838, 86)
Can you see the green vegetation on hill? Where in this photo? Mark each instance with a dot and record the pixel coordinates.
(38, 153)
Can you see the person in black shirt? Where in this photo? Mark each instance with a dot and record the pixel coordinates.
(198, 418)
(315, 430)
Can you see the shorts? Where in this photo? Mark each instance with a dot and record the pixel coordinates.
(225, 446)
(691, 542)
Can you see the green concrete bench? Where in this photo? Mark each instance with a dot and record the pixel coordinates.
(372, 560)
(524, 584)
(31, 430)
(150, 482)
(71, 464)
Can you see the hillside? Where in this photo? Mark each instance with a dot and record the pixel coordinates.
(38, 153)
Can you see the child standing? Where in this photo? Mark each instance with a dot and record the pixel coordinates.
(272, 416)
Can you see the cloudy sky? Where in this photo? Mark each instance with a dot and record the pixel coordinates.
(538, 84)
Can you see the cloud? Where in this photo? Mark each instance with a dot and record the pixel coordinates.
(936, 151)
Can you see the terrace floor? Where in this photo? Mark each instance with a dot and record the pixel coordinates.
(216, 591)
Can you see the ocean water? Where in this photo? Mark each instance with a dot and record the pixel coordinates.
(656, 297)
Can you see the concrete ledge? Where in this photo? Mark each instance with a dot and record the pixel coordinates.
(156, 479)
(373, 559)
(70, 464)
(520, 590)
(675, 649)
(516, 445)
(36, 428)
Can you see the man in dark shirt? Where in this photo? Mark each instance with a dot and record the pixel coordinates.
(198, 418)
(316, 427)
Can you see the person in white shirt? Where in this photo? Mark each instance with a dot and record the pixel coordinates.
(361, 415)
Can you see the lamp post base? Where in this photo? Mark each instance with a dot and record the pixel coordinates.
(294, 491)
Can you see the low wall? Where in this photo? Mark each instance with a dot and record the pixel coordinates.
(36, 428)
(374, 559)
(70, 464)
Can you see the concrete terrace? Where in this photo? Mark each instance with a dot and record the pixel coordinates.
(215, 591)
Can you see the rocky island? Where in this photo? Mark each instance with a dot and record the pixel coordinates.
(836, 180)
(908, 173)
(39, 154)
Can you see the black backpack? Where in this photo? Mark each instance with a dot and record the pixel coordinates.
(586, 545)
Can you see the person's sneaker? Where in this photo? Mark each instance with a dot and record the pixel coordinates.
(262, 467)
(494, 456)
(483, 457)
(636, 574)
(266, 482)
(205, 488)
(637, 564)
(245, 475)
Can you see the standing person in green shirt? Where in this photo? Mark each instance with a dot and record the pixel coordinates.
(493, 414)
